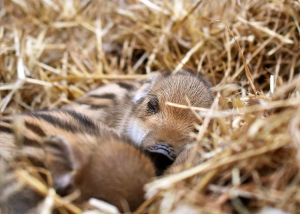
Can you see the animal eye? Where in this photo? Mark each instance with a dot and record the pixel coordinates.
(152, 106)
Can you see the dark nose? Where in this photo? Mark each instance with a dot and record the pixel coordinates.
(163, 149)
(162, 156)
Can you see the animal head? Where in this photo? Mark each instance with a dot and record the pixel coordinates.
(114, 172)
(161, 128)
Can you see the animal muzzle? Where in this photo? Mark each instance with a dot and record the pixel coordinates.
(162, 156)
(163, 149)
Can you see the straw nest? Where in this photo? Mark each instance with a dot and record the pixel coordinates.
(247, 152)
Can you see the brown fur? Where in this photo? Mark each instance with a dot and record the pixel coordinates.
(97, 105)
(169, 126)
(160, 129)
(125, 171)
(93, 159)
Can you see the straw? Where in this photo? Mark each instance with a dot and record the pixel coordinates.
(247, 158)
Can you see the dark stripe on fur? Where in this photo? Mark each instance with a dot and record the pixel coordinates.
(95, 107)
(125, 86)
(6, 129)
(63, 124)
(103, 96)
(36, 129)
(31, 143)
(83, 120)
(57, 122)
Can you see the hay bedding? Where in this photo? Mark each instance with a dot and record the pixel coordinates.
(248, 147)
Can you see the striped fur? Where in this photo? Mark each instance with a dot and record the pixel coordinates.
(141, 114)
(104, 103)
(80, 153)
(39, 124)
(135, 109)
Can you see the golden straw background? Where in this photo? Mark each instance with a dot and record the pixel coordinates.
(247, 154)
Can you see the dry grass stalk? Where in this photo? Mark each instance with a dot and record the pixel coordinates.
(52, 52)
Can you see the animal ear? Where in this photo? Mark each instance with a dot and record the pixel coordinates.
(61, 161)
(143, 91)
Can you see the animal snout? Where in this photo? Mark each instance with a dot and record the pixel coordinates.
(163, 149)
(162, 156)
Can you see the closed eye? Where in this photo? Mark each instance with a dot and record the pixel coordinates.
(153, 106)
